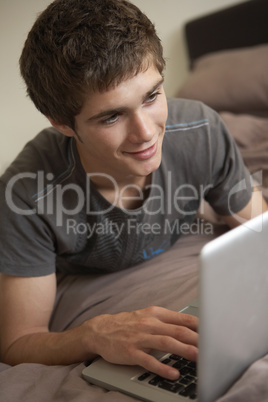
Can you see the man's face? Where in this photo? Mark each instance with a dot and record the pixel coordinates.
(122, 129)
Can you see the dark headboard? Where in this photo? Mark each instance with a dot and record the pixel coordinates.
(242, 25)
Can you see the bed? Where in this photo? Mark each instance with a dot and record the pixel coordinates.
(228, 64)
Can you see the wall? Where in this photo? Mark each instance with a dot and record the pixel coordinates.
(20, 121)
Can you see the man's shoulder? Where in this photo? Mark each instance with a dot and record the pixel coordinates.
(45, 158)
(43, 152)
(190, 127)
(48, 142)
(186, 111)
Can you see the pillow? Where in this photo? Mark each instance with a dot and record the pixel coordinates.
(248, 131)
(234, 80)
(251, 136)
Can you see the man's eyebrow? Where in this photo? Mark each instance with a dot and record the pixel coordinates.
(157, 85)
(108, 112)
(111, 112)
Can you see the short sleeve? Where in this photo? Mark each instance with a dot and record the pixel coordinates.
(230, 184)
(27, 247)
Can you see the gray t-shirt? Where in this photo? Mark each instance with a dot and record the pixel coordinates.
(52, 215)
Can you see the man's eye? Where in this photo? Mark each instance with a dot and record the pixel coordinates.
(151, 98)
(112, 119)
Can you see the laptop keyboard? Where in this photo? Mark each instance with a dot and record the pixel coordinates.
(185, 385)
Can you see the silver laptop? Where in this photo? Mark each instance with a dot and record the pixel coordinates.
(233, 330)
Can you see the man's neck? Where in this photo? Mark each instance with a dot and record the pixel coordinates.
(128, 194)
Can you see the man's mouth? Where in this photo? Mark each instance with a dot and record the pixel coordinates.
(145, 154)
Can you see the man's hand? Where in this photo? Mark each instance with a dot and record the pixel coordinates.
(128, 338)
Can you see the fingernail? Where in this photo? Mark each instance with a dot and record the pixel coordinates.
(173, 374)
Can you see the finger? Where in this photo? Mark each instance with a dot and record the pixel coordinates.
(189, 321)
(173, 317)
(150, 363)
(182, 334)
(170, 345)
(154, 326)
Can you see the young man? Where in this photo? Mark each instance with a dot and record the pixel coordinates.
(95, 69)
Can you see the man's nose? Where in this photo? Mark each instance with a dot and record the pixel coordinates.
(140, 128)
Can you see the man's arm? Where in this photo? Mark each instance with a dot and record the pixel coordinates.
(256, 206)
(25, 308)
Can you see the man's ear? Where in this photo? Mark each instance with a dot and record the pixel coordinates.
(62, 128)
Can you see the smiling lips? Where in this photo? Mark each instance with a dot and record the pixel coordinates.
(145, 154)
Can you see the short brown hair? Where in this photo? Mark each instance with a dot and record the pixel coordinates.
(78, 46)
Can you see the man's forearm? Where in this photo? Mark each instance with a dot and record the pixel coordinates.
(51, 348)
